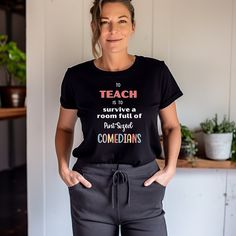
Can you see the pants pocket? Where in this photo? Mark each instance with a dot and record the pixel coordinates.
(79, 195)
(155, 182)
(146, 197)
(78, 185)
(159, 191)
(91, 203)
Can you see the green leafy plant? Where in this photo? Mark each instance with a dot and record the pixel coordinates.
(233, 157)
(189, 145)
(186, 134)
(210, 126)
(13, 60)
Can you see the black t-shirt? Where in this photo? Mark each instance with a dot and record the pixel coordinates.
(118, 109)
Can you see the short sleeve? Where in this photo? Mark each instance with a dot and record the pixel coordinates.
(67, 99)
(170, 90)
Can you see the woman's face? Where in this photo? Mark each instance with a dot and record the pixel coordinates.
(116, 28)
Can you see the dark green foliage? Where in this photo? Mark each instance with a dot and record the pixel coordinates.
(233, 158)
(188, 146)
(13, 60)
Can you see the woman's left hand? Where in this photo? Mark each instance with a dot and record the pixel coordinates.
(162, 176)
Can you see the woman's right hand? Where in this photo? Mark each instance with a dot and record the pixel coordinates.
(71, 178)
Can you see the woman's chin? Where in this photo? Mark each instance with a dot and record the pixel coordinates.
(115, 49)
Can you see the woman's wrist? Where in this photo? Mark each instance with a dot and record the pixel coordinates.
(63, 167)
(170, 169)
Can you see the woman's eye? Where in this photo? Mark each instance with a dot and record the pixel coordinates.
(123, 21)
(103, 22)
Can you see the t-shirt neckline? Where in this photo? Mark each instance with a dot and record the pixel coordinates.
(120, 72)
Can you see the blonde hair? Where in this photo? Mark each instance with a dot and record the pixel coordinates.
(95, 11)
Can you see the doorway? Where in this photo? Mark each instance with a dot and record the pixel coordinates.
(13, 184)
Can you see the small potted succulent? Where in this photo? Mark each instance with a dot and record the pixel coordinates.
(188, 144)
(13, 62)
(218, 137)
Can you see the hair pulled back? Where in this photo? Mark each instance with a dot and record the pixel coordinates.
(95, 11)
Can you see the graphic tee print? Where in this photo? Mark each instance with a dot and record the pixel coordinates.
(118, 109)
(122, 130)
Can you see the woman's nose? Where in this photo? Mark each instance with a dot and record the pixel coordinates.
(113, 27)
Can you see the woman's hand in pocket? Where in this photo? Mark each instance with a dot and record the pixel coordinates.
(71, 178)
(162, 176)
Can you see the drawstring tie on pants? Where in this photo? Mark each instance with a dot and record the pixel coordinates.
(116, 180)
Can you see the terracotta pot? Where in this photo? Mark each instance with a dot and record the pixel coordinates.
(12, 96)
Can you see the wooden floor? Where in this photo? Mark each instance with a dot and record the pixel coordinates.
(13, 202)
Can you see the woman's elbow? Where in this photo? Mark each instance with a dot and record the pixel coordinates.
(173, 128)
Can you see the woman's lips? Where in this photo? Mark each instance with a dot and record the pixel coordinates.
(113, 40)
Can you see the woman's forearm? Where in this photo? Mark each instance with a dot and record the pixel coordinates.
(63, 142)
(171, 143)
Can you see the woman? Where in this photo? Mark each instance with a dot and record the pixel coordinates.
(116, 179)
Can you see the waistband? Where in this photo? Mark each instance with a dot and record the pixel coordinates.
(120, 173)
(109, 168)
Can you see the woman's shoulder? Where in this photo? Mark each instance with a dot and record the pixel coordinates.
(80, 67)
(152, 61)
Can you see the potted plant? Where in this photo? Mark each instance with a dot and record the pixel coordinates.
(218, 137)
(13, 62)
(188, 144)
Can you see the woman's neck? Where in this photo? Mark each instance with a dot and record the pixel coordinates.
(115, 62)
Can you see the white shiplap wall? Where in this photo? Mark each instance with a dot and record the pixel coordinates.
(197, 46)
(233, 65)
(196, 38)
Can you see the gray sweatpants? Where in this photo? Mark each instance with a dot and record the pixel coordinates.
(117, 197)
